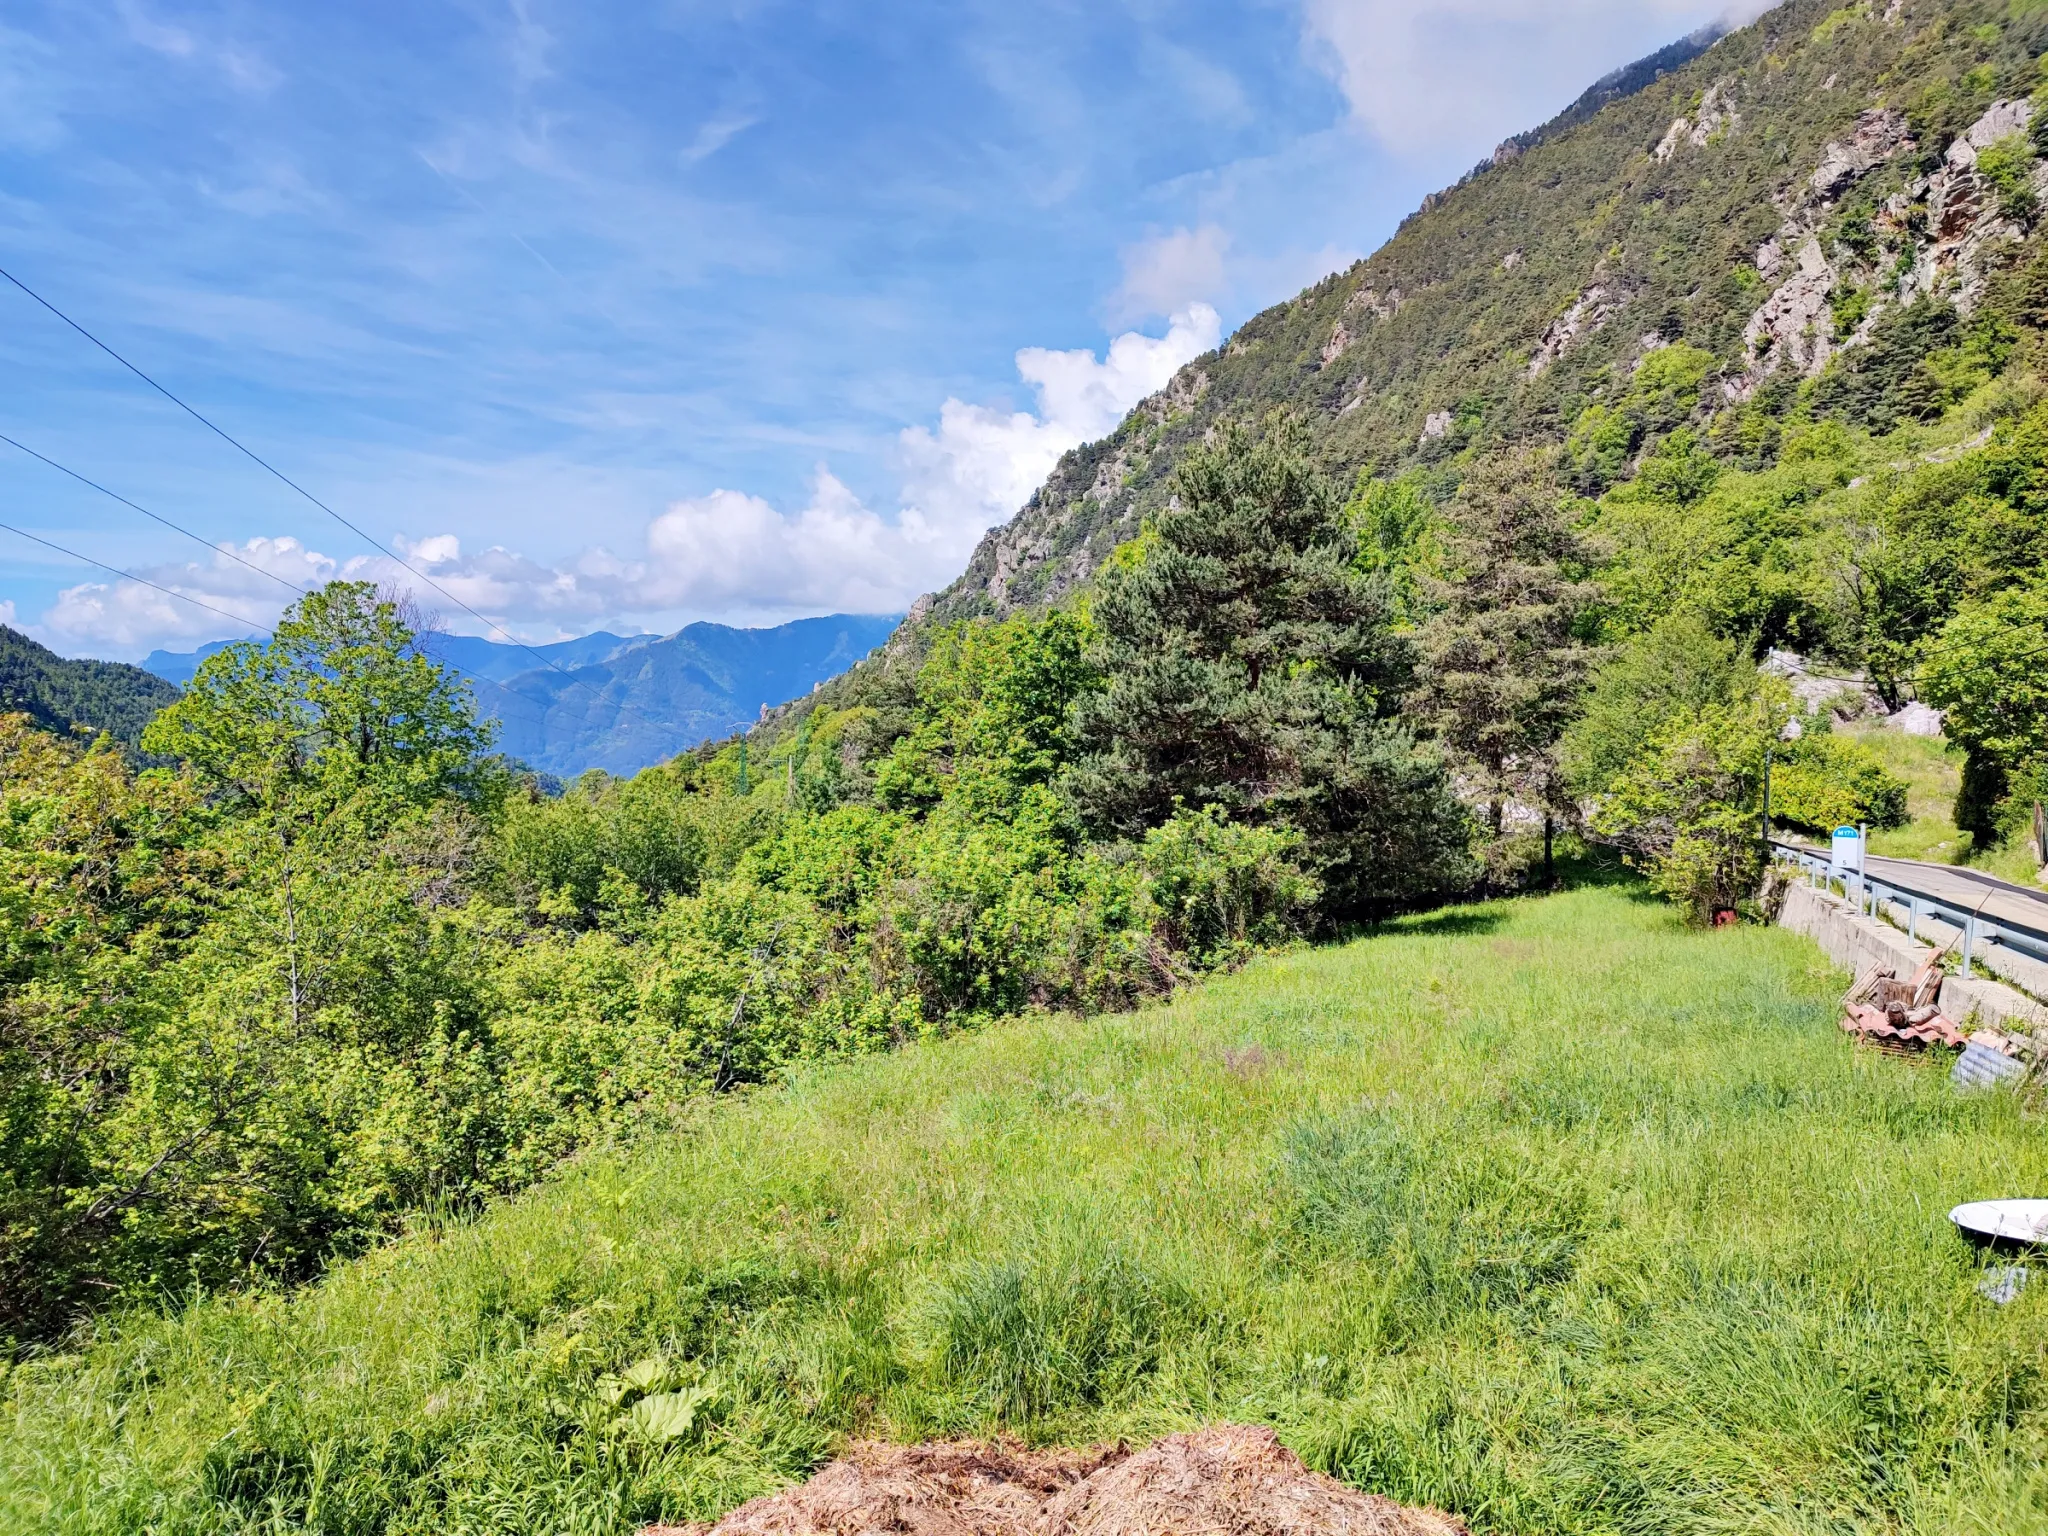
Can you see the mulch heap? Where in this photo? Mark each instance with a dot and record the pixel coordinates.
(1232, 1480)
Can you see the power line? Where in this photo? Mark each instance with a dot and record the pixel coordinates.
(288, 585)
(1918, 677)
(186, 597)
(272, 469)
(175, 528)
(182, 597)
(227, 437)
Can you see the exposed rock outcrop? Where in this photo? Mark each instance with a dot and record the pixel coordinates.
(1937, 235)
(1715, 118)
(1964, 219)
(1589, 312)
(1880, 134)
(1794, 327)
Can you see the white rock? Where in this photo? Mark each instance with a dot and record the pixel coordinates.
(1916, 719)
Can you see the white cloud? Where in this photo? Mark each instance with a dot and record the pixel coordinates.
(130, 617)
(1167, 273)
(724, 555)
(1422, 76)
(715, 135)
(247, 71)
(981, 465)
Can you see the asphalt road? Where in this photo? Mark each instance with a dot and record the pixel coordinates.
(1998, 901)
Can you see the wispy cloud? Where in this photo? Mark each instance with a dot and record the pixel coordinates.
(1165, 273)
(528, 44)
(716, 134)
(243, 67)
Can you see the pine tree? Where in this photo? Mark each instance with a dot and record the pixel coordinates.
(1503, 666)
(1251, 668)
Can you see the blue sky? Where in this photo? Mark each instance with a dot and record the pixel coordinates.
(625, 315)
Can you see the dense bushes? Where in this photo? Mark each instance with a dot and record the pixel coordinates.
(342, 965)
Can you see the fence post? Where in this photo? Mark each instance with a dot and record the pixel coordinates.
(1969, 943)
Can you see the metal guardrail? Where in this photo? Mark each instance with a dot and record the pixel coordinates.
(1871, 892)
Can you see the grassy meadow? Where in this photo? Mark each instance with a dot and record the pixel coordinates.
(1550, 1212)
(1933, 773)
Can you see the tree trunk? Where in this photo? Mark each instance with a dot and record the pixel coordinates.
(1549, 851)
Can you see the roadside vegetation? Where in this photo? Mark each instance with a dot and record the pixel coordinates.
(1559, 1213)
(1553, 1212)
(1932, 772)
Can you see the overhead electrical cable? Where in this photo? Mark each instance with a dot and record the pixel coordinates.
(285, 582)
(183, 597)
(256, 458)
(218, 549)
(186, 597)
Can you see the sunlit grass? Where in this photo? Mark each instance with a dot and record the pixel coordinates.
(1553, 1213)
(1933, 772)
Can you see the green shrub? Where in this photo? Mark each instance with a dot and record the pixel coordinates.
(1221, 889)
(1822, 782)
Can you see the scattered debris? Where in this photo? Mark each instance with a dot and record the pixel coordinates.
(1901, 1017)
(1988, 1061)
(1233, 1478)
(2003, 1283)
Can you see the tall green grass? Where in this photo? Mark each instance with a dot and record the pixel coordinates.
(1552, 1213)
(1933, 772)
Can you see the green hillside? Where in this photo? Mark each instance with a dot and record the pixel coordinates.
(1632, 275)
(62, 695)
(388, 1145)
(1552, 1213)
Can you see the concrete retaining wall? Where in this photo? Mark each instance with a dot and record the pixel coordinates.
(1857, 943)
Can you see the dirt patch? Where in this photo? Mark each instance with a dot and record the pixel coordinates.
(1233, 1480)
(1248, 1060)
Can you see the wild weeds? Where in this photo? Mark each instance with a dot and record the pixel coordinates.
(1557, 1215)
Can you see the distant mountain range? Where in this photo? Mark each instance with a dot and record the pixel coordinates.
(59, 694)
(622, 702)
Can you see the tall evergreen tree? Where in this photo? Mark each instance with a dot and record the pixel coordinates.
(1503, 667)
(1252, 668)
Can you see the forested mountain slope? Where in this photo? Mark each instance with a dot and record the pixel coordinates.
(59, 694)
(623, 703)
(1830, 185)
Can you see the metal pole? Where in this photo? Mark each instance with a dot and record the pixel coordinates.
(1767, 800)
(1969, 943)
